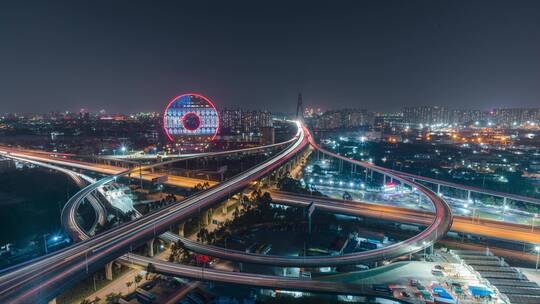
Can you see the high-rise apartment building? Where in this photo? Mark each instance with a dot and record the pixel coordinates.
(515, 116)
(345, 118)
(236, 120)
(428, 115)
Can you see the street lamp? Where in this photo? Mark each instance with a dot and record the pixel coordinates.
(537, 249)
(474, 214)
(45, 242)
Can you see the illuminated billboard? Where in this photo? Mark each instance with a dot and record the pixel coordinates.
(191, 117)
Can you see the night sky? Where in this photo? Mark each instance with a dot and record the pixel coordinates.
(128, 56)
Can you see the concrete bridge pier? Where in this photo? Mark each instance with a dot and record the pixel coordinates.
(224, 205)
(204, 218)
(108, 271)
(150, 248)
(181, 229)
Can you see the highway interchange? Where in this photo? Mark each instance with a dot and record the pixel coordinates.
(45, 277)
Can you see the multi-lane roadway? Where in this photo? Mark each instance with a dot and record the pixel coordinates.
(465, 225)
(437, 225)
(42, 280)
(35, 282)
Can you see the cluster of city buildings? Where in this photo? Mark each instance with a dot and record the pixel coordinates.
(420, 116)
(237, 120)
(338, 119)
(93, 133)
(506, 117)
(248, 127)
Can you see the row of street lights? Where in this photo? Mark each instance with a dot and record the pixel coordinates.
(340, 183)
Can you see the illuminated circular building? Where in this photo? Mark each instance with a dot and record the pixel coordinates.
(191, 120)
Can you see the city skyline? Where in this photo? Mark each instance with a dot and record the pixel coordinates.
(375, 55)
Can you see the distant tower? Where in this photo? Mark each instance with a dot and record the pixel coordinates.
(299, 108)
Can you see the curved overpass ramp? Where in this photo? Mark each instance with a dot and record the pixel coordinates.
(47, 277)
(35, 282)
(437, 227)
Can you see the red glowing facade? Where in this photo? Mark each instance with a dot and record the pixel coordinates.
(191, 117)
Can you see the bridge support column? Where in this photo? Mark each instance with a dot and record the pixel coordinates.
(108, 271)
(224, 206)
(204, 218)
(52, 301)
(150, 248)
(384, 179)
(504, 201)
(439, 189)
(181, 229)
(469, 195)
